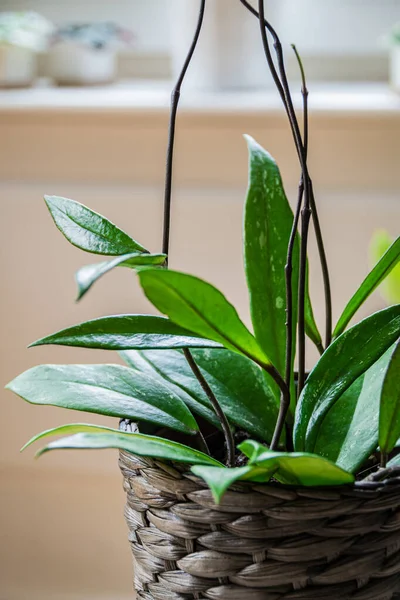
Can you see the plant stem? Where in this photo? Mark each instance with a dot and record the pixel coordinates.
(284, 92)
(305, 222)
(384, 459)
(283, 88)
(202, 443)
(289, 289)
(324, 267)
(230, 446)
(283, 410)
(175, 96)
(304, 93)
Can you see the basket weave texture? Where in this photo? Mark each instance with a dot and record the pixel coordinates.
(263, 542)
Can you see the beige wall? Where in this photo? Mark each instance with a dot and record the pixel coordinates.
(61, 526)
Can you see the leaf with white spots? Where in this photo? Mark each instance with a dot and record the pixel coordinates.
(267, 226)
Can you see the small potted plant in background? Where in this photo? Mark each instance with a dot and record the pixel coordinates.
(86, 53)
(245, 479)
(22, 36)
(394, 40)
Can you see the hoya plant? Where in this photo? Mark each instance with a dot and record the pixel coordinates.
(229, 403)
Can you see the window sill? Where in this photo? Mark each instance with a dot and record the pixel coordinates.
(117, 135)
(339, 99)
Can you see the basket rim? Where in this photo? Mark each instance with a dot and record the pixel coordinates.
(384, 479)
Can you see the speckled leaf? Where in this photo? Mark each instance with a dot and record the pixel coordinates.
(237, 382)
(268, 222)
(389, 415)
(88, 230)
(89, 274)
(110, 390)
(381, 270)
(127, 332)
(346, 359)
(92, 437)
(349, 431)
(296, 468)
(199, 307)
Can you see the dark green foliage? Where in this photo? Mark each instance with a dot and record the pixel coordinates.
(349, 406)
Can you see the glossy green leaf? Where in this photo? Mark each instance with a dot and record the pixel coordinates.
(139, 362)
(390, 287)
(110, 390)
(89, 274)
(349, 432)
(94, 438)
(389, 413)
(69, 430)
(381, 270)
(296, 468)
(236, 381)
(220, 479)
(88, 230)
(394, 462)
(126, 332)
(268, 222)
(346, 359)
(199, 307)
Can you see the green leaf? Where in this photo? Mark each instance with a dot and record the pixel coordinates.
(136, 360)
(390, 287)
(110, 390)
(126, 332)
(349, 432)
(346, 359)
(381, 270)
(236, 381)
(296, 468)
(268, 223)
(93, 437)
(394, 462)
(88, 230)
(219, 479)
(199, 307)
(389, 414)
(89, 274)
(68, 429)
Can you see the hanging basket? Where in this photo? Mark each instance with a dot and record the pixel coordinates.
(263, 542)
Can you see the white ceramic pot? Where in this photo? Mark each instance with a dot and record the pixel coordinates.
(229, 54)
(395, 67)
(71, 63)
(17, 66)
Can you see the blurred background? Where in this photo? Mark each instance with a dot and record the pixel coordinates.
(84, 95)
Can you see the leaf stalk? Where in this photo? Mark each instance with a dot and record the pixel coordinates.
(230, 445)
(175, 97)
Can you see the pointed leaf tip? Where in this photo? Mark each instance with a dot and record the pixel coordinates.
(89, 274)
(200, 307)
(110, 390)
(92, 437)
(220, 479)
(127, 332)
(88, 230)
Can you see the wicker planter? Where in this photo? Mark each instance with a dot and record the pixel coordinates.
(264, 542)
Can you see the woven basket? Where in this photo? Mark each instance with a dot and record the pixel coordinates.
(264, 542)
